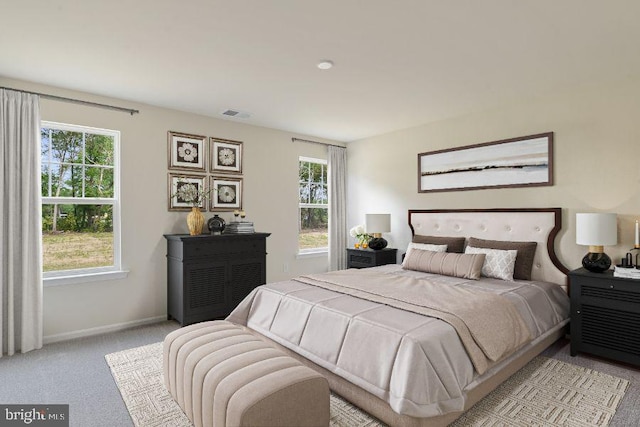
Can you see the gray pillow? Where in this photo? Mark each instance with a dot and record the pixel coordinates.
(467, 266)
(524, 259)
(454, 244)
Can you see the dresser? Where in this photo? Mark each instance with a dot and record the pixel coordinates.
(363, 258)
(605, 315)
(208, 275)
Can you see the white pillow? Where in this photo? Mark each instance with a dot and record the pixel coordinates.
(498, 263)
(427, 247)
(423, 247)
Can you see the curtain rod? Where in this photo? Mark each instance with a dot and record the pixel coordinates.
(76, 101)
(316, 142)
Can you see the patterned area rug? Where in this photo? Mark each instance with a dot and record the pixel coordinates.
(549, 392)
(546, 392)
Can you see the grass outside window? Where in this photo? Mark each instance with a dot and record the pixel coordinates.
(313, 239)
(74, 250)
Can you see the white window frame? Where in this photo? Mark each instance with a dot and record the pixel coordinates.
(81, 275)
(303, 253)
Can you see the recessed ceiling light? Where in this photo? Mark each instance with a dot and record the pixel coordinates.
(325, 64)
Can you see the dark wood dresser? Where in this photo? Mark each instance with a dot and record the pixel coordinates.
(605, 315)
(363, 258)
(208, 275)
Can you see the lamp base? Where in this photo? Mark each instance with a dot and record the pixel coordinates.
(377, 243)
(596, 262)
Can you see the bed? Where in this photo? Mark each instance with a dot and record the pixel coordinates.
(414, 348)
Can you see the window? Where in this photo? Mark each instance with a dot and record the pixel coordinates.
(313, 228)
(80, 200)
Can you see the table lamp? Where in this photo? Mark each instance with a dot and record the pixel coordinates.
(596, 230)
(376, 224)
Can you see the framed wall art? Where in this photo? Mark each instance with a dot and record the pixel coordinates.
(227, 193)
(187, 152)
(226, 156)
(517, 162)
(182, 188)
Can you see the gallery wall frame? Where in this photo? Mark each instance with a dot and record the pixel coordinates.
(226, 156)
(175, 181)
(187, 152)
(226, 194)
(525, 161)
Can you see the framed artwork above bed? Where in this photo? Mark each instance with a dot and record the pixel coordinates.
(517, 162)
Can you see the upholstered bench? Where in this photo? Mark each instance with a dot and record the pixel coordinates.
(221, 374)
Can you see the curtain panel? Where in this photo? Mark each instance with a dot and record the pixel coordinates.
(21, 327)
(337, 167)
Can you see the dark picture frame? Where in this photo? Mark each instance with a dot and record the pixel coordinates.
(227, 193)
(187, 151)
(174, 182)
(226, 156)
(525, 161)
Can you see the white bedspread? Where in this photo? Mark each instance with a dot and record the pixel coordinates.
(416, 363)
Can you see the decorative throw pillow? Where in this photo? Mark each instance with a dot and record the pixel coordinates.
(498, 264)
(524, 259)
(454, 244)
(466, 266)
(424, 247)
(427, 247)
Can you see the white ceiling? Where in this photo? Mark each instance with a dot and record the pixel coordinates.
(397, 63)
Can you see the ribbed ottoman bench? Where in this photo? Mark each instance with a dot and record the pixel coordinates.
(221, 374)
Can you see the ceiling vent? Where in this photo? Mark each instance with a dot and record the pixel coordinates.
(236, 114)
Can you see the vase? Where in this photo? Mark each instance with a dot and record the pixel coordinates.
(377, 243)
(216, 225)
(195, 221)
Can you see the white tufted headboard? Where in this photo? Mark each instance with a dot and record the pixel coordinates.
(526, 225)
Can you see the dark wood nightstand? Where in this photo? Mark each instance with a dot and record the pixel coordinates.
(363, 258)
(605, 315)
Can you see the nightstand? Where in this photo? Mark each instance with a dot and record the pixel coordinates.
(605, 315)
(363, 258)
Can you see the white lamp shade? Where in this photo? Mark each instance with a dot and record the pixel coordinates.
(378, 223)
(596, 229)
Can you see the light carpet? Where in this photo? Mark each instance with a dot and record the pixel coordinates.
(546, 392)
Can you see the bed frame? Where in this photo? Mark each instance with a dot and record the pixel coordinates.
(539, 225)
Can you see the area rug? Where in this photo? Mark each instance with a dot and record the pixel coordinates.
(546, 392)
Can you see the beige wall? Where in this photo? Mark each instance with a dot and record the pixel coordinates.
(597, 163)
(270, 200)
(597, 168)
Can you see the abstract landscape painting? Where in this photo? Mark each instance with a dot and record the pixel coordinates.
(515, 162)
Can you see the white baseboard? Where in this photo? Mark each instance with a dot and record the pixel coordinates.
(102, 329)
